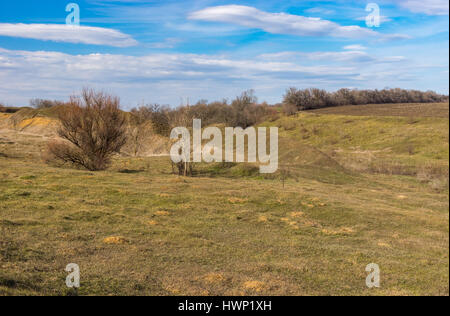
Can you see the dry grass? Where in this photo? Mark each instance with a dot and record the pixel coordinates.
(229, 231)
(408, 109)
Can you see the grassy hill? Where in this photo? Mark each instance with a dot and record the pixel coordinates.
(413, 146)
(400, 109)
(359, 190)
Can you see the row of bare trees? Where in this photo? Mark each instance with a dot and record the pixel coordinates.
(94, 129)
(243, 111)
(297, 100)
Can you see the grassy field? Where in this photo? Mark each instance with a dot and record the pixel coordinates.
(408, 109)
(361, 189)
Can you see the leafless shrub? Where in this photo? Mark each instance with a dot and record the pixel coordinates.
(94, 128)
(155, 114)
(244, 111)
(44, 104)
(183, 168)
(286, 173)
(289, 108)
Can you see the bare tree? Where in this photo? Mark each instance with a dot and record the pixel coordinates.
(94, 129)
(285, 174)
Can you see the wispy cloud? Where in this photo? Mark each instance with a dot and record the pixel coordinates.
(355, 47)
(283, 23)
(430, 7)
(170, 42)
(353, 54)
(68, 34)
(383, 19)
(165, 77)
(319, 10)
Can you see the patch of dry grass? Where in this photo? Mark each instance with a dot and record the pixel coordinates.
(407, 109)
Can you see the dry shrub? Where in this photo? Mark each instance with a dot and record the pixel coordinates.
(288, 125)
(94, 129)
(289, 108)
(156, 114)
(44, 104)
(244, 111)
(183, 168)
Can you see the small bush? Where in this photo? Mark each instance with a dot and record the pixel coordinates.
(289, 108)
(94, 129)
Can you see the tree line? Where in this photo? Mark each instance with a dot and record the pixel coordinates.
(94, 128)
(296, 100)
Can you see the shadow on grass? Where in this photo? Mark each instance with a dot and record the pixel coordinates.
(128, 171)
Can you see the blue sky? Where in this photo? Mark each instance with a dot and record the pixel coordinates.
(169, 51)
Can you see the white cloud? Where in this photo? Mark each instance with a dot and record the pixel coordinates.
(318, 10)
(430, 7)
(68, 34)
(281, 23)
(383, 19)
(355, 47)
(164, 78)
(351, 56)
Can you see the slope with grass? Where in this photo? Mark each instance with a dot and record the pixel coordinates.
(413, 146)
(408, 110)
(137, 229)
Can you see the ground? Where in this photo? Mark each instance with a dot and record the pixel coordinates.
(137, 229)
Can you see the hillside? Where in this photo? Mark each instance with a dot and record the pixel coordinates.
(408, 110)
(358, 189)
(414, 146)
(43, 123)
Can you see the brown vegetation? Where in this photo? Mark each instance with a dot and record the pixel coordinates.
(94, 127)
(44, 104)
(244, 111)
(307, 99)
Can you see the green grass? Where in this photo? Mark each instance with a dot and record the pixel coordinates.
(392, 145)
(231, 231)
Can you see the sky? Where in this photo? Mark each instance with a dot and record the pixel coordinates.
(173, 52)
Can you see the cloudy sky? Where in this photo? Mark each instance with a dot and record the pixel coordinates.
(167, 51)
